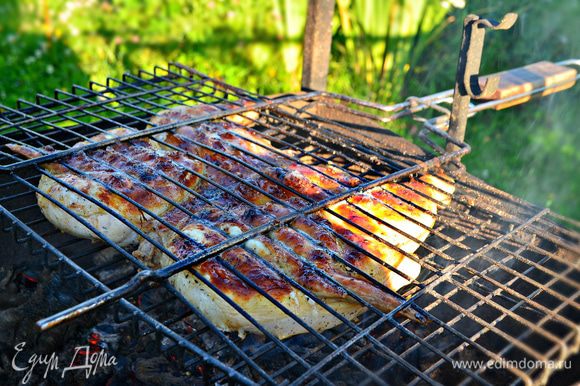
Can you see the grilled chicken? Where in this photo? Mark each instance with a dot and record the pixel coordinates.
(316, 251)
(336, 253)
(389, 220)
(293, 250)
(121, 177)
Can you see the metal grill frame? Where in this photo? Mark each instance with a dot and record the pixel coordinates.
(268, 107)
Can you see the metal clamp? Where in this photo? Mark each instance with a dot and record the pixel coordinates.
(467, 83)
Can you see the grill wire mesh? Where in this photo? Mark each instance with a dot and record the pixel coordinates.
(499, 276)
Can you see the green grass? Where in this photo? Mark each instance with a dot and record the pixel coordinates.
(382, 50)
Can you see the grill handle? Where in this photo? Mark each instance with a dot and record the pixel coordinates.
(468, 84)
(538, 79)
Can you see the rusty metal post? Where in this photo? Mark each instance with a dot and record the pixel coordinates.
(467, 83)
(317, 40)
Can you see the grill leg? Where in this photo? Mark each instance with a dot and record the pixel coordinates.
(317, 39)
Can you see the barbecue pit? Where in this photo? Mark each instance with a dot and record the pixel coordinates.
(499, 279)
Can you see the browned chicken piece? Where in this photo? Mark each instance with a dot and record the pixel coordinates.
(385, 226)
(132, 168)
(393, 228)
(385, 211)
(387, 222)
(289, 250)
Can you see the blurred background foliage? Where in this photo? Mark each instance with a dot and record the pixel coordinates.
(383, 50)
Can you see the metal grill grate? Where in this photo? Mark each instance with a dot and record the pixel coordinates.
(499, 276)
